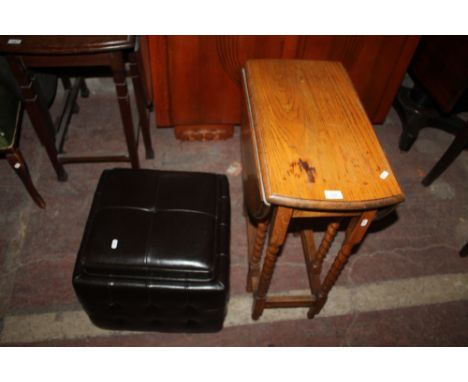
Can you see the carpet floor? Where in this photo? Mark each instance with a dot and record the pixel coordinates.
(405, 286)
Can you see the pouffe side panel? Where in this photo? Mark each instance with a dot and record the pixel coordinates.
(141, 306)
(215, 325)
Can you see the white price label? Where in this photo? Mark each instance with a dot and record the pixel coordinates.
(14, 41)
(333, 194)
(384, 174)
(114, 244)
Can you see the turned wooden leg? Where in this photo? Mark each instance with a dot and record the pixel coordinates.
(38, 113)
(327, 240)
(314, 258)
(18, 164)
(143, 112)
(279, 228)
(255, 254)
(354, 233)
(120, 81)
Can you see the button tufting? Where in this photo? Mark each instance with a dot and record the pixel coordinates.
(177, 287)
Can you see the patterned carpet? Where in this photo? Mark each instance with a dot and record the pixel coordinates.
(405, 286)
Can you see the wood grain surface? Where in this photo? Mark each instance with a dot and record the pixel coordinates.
(197, 79)
(312, 136)
(64, 44)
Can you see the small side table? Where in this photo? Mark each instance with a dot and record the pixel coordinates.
(308, 151)
(120, 55)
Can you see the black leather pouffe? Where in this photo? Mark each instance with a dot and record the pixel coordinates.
(155, 252)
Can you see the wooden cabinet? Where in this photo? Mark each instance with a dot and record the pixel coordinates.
(440, 67)
(196, 79)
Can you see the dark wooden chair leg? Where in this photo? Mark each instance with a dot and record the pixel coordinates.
(120, 81)
(416, 112)
(457, 146)
(464, 251)
(84, 90)
(70, 107)
(38, 113)
(411, 116)
(66, 82)
(141, 57)
(18, 164)
(67, 85)
(143, 112)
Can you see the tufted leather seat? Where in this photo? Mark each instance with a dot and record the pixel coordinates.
(155, 251)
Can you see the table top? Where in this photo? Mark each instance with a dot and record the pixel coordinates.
(314, 144)
(64, 44)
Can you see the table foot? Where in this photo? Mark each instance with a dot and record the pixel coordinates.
(317, 307)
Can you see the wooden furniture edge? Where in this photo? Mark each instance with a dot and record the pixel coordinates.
(393, 83)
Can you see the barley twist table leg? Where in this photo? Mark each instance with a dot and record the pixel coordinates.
(336, 268)
(314, 264)
(279, 228)
(354, 234)
(326, 242)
